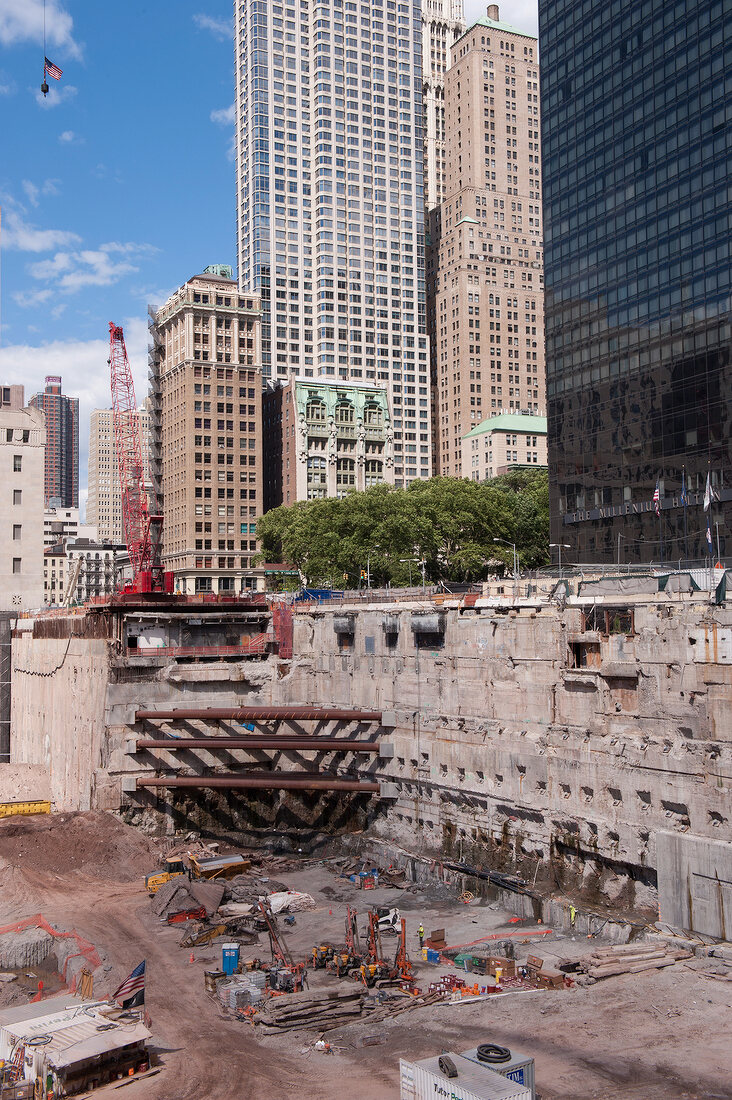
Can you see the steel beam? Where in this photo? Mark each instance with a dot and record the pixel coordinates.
(263, 714)
(305, 744)
(312, 781)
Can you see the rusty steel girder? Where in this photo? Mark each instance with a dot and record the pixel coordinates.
(309, 781)
(304, 744)
(264, 714)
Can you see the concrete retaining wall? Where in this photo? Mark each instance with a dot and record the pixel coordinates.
(59, 691)
(695, 883)
(524, 739)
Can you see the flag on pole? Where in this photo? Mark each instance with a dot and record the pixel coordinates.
(684, 500)
(51, 69)
(657, 499)
(132, 991)
(710, 544)
(708, 494)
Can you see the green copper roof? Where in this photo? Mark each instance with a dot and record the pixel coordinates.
(495, 25)
(467, 218)
(509, 422)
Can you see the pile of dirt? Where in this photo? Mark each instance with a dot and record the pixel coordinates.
(93, 843)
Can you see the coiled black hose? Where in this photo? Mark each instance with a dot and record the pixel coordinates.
(493, 1054)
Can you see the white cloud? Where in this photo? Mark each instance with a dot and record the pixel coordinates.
(56, 96)
(128, 248)
(82, 364)
(224, 116)
(7, 84)
(68, 137)
(102, 172)
(221, 28)
(26, 299)
(523, 14)
(71, 271)
(33, 191)
(23, 21)
(23, 237)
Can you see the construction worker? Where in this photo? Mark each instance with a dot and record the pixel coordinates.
(420, 930)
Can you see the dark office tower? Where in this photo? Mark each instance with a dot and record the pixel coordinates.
(637, 156)
(61, 482)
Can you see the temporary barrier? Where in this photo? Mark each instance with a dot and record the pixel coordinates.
(85, 949)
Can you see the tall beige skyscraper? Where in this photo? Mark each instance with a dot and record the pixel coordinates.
(485, 269)
(206, 439)
(104, 500)
(443, 22)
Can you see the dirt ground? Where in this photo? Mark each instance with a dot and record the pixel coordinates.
(660, 1035)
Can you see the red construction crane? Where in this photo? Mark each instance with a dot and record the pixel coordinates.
(142, 530)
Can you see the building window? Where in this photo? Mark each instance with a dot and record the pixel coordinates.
(16, 532)
(17, 463)
(16, 565)
(17, 496)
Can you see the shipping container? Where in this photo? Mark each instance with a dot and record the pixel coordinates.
(425, 1080)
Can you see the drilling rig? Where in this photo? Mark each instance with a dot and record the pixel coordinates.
(142, 529)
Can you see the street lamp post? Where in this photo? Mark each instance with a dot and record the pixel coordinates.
(423, 567)
(560, 546)
(515, 555)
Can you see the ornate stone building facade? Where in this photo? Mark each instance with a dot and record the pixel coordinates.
(332, 439)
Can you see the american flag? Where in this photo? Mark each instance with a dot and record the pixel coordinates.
(52, 70)
(132, 990)
(657, 500)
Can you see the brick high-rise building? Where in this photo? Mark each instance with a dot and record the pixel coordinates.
(104, 501)
(330, 199)
(485, 281)
(62, 444)
(206, 444)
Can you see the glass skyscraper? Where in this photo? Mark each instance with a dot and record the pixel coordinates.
(637, 164)
(330, 198)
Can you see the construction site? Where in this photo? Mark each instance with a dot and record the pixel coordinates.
(268, 800)
(468, 845)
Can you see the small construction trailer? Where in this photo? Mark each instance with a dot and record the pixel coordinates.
(70, 1046)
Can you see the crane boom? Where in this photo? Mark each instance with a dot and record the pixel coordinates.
(141, 529)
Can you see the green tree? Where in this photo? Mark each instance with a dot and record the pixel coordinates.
(449, 523)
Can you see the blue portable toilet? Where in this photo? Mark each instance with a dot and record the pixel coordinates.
(229, 958)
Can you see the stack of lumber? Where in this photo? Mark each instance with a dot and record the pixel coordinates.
(318, 1010)
(607, 962)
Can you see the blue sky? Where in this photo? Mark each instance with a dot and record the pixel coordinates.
(120, 185)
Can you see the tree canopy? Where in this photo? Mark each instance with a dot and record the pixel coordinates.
(449, 523)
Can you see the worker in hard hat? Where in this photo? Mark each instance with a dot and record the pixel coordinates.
(420, 931)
